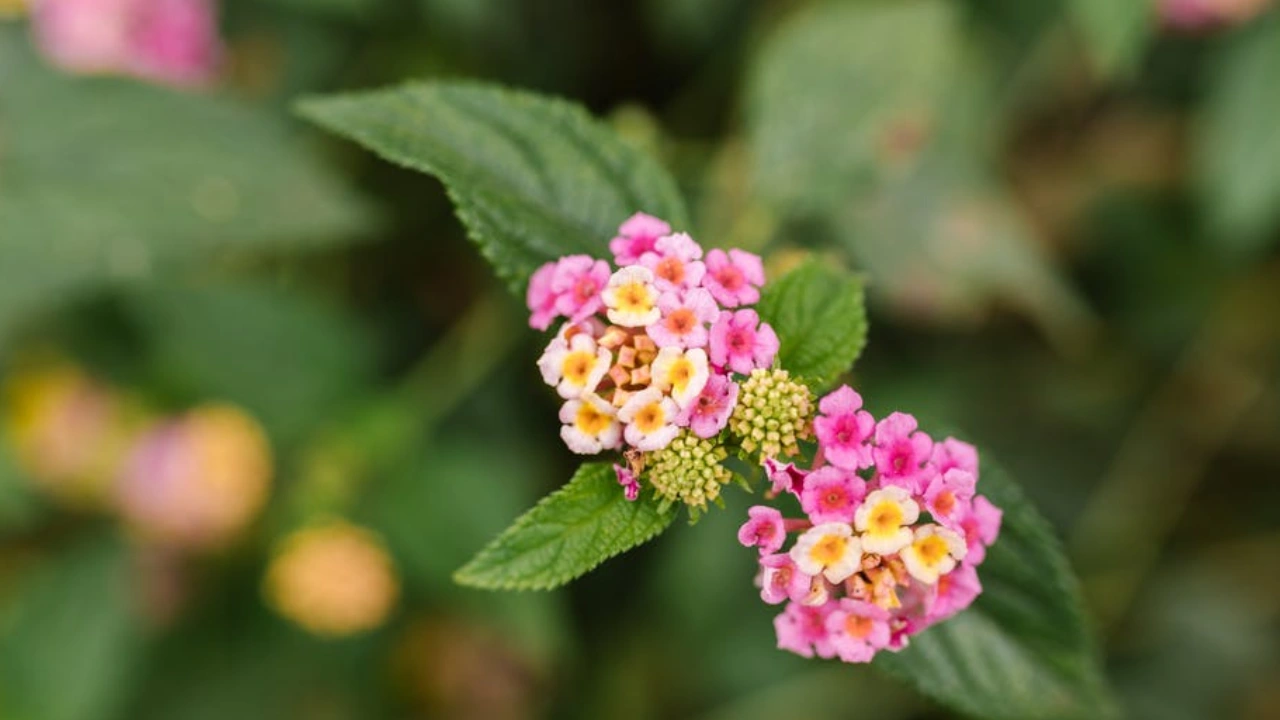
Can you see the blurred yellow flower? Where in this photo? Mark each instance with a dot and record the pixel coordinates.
(333, 579)
(198, 481)
(12, 8)
(69, 434)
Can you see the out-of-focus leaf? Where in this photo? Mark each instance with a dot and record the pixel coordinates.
(532, 178)
(71, 645)
(105, 179)
(820, 319)
(844, 95)
(873, 121)
(19, 507)
(1238, 156)
(1024, 650)
(288, 358)
(566, 535)
(1115, 32)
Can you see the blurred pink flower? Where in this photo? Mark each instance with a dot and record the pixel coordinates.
(637, 237)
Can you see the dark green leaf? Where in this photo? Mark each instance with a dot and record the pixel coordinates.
(1024, 650)
(532, 178)
(567, 534)
(72, 643)
(818, 313)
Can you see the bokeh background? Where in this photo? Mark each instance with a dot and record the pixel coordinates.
(262, 397)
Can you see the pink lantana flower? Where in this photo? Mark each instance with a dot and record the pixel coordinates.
(740, 342)
(707, 415)
(785, 477)
(947, 497)
(900, 452)
(844, 429)
(763, 529)
(637, 237)
(541, 298)
(627, 479)
(781, 580)
(803, 630)
(684, 319)
(832, 495)
(735, 278)
(676, 263)
(956, 591)
(952, 453)
(981, 526)
(857, 630)
(176, 42)
(578, 283)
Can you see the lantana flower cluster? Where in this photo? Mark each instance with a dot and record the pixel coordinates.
(892, 537)
(652, 352)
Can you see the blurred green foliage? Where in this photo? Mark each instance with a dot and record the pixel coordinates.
(1065, 213)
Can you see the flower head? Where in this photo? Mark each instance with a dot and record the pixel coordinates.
(832, 495)
(735, 278)
(843, 429)
(636, 237)
(683, 374)
(675, 262)
(740, 342)
(689, 470)
(884, 520)
(857, 629)
(575, 366)
(709, 412)
(773, 414)
(684, 319)
(590, 425)
(631, 298)
(334, 579)
(541, 298)
(763, 529)
(830, 549)
(650, 420)
(901, 452)
(933, 551)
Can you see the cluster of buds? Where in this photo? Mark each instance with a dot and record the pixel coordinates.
(892, 540)
(174, 42)
(652, 351)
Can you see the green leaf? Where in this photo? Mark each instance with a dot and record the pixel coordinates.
(818, 313)
(232, 341)
(567, 534)
(532, 178)
(72, 642)
(104, 180)
(1024, 650)
(1238, 154)
(1115, 32)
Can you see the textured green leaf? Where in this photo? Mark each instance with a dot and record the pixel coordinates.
(532, 178)
(1238, 158)
(1115, 32)
(71, 645)
(820, 319)
(107, 179)
(1024, 650)
(567, 534)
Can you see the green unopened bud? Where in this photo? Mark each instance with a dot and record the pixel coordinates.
(689, 471)
(773, 414)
